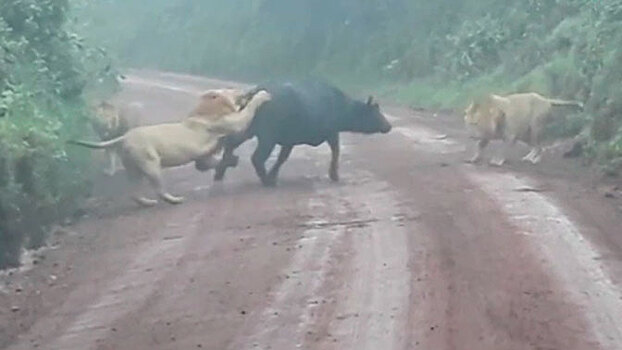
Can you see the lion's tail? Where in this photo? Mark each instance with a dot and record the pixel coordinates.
(556, 103)
(97, 145)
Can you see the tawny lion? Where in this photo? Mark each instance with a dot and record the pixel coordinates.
(111, 121)
(511, 118)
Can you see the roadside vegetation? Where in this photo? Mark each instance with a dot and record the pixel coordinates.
(45, 68)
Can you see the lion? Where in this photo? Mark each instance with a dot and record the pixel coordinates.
(145, 150)
(511, 118)
(111, 121)
(218, 101)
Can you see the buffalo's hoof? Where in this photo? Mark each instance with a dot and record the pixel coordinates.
(227, 162)
(269, 181)
(219, 175)
(231, 162)
(334, 177)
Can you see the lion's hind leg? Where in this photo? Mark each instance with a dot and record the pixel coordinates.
(137, 180)
(136, 177)
(151, 170)
(535, 155)
(499, 159)
(206, 163)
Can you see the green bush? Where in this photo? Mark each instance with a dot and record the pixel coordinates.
(44, 70)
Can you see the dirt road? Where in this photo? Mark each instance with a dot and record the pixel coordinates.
(412, 250)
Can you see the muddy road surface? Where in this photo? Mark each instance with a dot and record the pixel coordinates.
(413, 249)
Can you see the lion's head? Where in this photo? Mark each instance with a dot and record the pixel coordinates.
(217, 103)
(485, 118)
(106, 119)
(482, 111)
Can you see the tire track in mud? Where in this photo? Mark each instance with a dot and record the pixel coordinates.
(565, 251)
(281, 325)
(119, 297)
(373, 296)
(369, 309)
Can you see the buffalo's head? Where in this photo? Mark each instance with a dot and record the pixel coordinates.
(367, 118)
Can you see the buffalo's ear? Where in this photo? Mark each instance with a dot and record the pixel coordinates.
(370, 100)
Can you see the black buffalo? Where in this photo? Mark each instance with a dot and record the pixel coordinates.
(303, 113)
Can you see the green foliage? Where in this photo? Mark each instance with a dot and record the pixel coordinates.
(44, 70)
(476, 47)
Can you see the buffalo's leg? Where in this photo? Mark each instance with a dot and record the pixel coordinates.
(229, 160)
(333, 171)
(206, 163)
(222, 166)
(274, 171)
(261, 154)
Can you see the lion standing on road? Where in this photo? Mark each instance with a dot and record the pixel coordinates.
(511, 118)
(111, 121)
